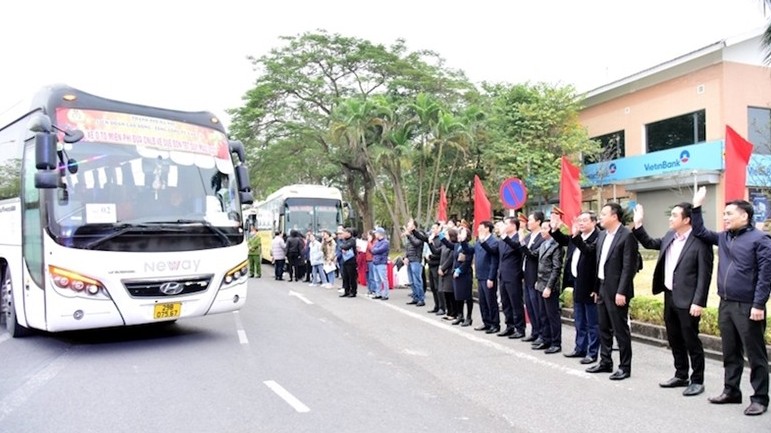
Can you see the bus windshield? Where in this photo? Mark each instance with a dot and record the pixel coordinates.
(313, 214)
(115, 182)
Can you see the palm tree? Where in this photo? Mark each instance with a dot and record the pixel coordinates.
(766, 40)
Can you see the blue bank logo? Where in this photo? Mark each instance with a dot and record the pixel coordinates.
(684, 156)
(612, 168)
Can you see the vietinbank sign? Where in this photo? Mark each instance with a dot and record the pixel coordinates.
(702, 156)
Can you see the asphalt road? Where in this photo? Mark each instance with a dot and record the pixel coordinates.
(301, 359)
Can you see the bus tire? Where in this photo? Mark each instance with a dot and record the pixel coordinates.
(8, 309)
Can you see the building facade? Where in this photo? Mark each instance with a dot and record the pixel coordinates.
(663, 130)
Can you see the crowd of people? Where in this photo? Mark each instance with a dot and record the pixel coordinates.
(529, 260)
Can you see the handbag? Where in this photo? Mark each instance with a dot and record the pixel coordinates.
(347, 254)
(329, 267)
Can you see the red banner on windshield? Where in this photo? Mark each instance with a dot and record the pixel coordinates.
(133, 129)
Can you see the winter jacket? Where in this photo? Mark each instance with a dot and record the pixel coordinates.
(744, 262)
(414, 247)
(380, 252)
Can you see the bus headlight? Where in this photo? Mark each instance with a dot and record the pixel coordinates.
(235, 274)
(70, 283)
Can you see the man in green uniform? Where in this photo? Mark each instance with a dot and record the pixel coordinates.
(255, 253)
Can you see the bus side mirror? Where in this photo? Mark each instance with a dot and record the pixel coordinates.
(242, 177)
(245, 197)
(46, 157)
(47, 179)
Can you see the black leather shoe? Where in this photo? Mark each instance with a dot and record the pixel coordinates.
(600, 368)
(433, 310)
(467, 322)
(541, 346)
(506, 332)
(674, 382)
(440, 313)
(575, 354)
(516, 335)
(482, 328)
(693, 389)
(726, 399)
(553, 349)
(619, 375)
(493, 330)
(420, 304)
(530, 338)
(755, 408)
(457, 321)
(589, 360)
(344, 295)
(537, 341)
(413, 302)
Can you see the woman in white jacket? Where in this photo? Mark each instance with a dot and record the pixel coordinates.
(316, 257)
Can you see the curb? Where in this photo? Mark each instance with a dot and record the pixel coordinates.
(656, 335)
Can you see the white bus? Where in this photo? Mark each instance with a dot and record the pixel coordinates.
(117, 214)
(297, 207)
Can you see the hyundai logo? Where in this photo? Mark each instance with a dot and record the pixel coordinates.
(171, 288)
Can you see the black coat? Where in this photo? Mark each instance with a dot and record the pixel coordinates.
(584, 283)
(692, 274)
(531, 260)
(620, 265)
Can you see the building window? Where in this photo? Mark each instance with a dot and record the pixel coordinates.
(759, 129)
(612, 146)
(677, 131)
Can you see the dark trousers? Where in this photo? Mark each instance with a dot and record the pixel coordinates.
(549, 316)
(350, 277)
(587, 329)
(614, 322)
(533, 310)
(488, 304)
(449, 300)
(279, 268)
(683, 338)
(513, 308)
(433, 283)
(741, 335)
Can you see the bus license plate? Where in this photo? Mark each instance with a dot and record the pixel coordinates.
(167, 311)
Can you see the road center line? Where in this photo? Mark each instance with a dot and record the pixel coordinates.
(287, 396)
(491, 344)
(300, 297)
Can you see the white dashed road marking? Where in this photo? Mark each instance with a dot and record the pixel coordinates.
(287, 396)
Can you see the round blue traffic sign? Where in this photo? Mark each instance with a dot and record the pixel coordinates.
(513, 193)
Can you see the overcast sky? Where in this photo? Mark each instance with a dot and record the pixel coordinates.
(192, 55)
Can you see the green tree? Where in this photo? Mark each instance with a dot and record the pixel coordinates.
(298, 89)
(531, 127)
(10, 178)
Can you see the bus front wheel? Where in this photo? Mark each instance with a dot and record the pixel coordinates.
(8, 311)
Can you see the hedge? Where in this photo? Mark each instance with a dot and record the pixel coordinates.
(648, 309)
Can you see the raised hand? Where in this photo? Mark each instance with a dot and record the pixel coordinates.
(699, 196)
(555, 221)
(638, 215)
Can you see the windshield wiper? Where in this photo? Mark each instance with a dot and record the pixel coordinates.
(209, 226)
(130, 228)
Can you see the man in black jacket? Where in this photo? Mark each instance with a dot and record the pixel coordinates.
(435, 251)
(510, 278)
(743, 284)
(349, 271)
(616, 252)
(414, 255)
(683, 273)
(581, 274)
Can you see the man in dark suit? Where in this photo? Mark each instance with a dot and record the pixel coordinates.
(616, 252)
(486, 269)
(530, 270)
(683, 273)
(510, 277)
(581, 274)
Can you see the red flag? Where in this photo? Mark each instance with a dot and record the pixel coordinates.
(482, 209)
(441, 212)
(570, 191)
(737, 156)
